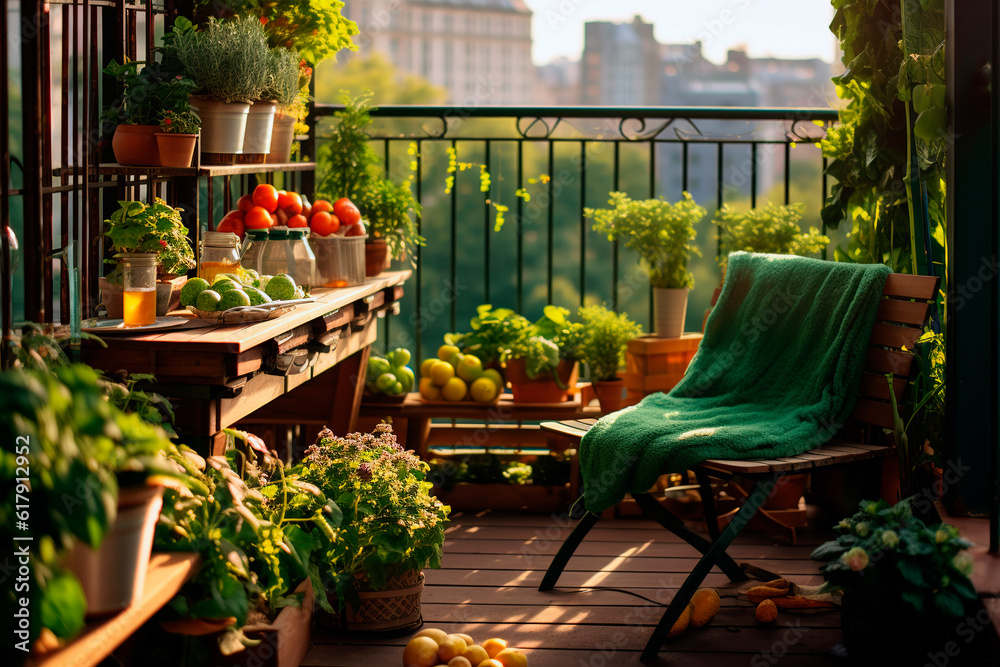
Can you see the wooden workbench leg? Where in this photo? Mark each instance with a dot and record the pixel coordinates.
(348, 389)
(418, 431)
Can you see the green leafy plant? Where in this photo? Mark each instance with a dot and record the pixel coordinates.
(771, 229)
(282, 78)
(389, 208)
(390, 522)
(886, 552)
(227, 60)
(156, 227)
(662, 233)
(148, 90)
(605, 336)
(350, 162)
(179, 122)
(75, 449)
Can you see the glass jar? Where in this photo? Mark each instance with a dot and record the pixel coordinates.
(220, 253)
(139, 288)
(287, 251)
(253, 249)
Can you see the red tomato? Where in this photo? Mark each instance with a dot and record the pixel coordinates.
(290, 202)
(356, 230)
(324, 224)
(232, 223)
(266, 196)
(245, 203)
(348, 213)
(321, 206)
(258, 218)
(297, 221)
(282, 216)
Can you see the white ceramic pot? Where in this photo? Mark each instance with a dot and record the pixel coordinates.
(223, 125)
(282, 135)
(113, 576)
(669, 311)
(260, 120)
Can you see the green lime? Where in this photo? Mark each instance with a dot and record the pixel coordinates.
(280, 287)
(405, 376)
(226, 276)
(191, 290)
(234, 298)
(257, 297)
(225, 285)
(376, 366)
(208, 301)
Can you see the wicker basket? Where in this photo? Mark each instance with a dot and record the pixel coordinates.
(395, 610)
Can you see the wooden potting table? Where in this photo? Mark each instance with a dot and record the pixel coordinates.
(218, 375)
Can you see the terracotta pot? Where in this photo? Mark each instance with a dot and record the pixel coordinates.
(111, 297)
(669, 311)
(609, 394)
(260, 120)
(223, 125)
(282, 136)
(542, 389)
(376, 257)
(176, 150)
(113, 576)
(135, 145)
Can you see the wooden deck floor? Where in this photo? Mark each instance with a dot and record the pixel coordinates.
(488, 588)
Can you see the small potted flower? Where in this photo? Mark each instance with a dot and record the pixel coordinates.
(605, 336)
(148, 228)
(388, 529)
(905, 584)
(178, 136)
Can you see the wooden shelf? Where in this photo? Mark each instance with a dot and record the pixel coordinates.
(167, 573)
(114, 169)
(238, 169)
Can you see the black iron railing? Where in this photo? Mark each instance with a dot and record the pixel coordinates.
(545, 165)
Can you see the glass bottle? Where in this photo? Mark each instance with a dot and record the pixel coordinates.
(287, 251)
(303, 258)
(220, 253)
(253, 249)
(139, 288)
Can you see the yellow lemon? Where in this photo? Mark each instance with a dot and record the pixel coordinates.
(454, 390)
(441, 372)
(494, 646)
(476, 654)
(450, 647)
(511, 657)
(446, 352)
(420, 652)
(429, 392)
(425, 368)
(459, 661)
(469, 641)
(433, 633)
(483, 390)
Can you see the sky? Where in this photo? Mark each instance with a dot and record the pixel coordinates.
(781, 28)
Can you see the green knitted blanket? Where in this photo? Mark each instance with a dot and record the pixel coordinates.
(775, 375)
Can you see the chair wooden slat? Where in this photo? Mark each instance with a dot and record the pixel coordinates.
(888, 335)
(888, 361)
(913, 313)
(907, 286)
(874, 385)
(564, 429)
(872, 412)
(736, 467)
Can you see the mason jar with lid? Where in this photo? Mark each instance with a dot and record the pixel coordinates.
(287, 251)
(220, 253)
(253, 249)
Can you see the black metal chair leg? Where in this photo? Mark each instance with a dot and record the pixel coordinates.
(760, 493)
(708, 503)
(565, 552)
(665, 518)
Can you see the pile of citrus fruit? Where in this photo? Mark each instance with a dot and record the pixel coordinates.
(230, 290)
(437, 648)
(454, 376)
(389, 375)
(269, 207)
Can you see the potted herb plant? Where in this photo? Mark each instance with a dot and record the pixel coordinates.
(885, 555)
(355, 173)
(227, 60)
(289, 120)
(178, 136)
(771, 229)
(280, 94)
(148, 228)
(603, 340)
(663, 234)
(148, 89)
(387, 529)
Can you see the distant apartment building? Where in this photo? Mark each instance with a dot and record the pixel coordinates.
(620, 65)
(478, 50)
(558, 83)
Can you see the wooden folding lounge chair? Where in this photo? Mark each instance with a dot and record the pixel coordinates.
(901, 317)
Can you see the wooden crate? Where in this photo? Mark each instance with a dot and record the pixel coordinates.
(655, 364)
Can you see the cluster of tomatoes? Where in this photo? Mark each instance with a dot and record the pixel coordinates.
(269, 207)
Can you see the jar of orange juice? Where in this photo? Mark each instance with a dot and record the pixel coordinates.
(220, 253)
(139, 285)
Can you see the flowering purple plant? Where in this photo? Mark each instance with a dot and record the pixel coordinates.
(391, 523)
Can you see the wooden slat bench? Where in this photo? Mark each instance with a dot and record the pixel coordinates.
(901, 317)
